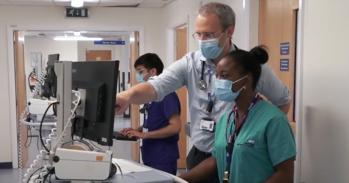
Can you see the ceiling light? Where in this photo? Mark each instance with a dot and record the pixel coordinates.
(132, 39)
(21, 38)
(77, 33)
(76, 38)
(77, 3)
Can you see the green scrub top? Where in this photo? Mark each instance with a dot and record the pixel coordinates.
(264, 141)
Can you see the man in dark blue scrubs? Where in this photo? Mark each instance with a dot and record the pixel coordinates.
(161, 121)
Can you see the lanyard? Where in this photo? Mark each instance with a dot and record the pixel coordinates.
(203, 64)
(145, 115)
(203, 86)
(233, 135)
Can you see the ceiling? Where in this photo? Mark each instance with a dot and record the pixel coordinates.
(91, 3)
(52, 34)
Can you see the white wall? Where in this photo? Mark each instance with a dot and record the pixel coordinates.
(5, 135)
(53, 18)
(67, 49)
(119, 52)
(325, 145)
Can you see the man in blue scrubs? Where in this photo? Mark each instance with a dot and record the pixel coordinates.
(161, 121)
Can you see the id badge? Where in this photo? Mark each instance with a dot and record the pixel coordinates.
(207, 124)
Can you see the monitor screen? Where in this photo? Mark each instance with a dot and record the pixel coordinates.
(97, 83)
(52, 58)
(49, 89)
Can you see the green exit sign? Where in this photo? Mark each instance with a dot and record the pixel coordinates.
(76, 12)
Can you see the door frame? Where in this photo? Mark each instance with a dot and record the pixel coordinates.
(171, 57)
(11, 67)
(183, 123)
(299, 90)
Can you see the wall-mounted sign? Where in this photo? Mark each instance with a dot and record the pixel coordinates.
(284, 48)
(76, 12)
(284, 65)
(110, 42)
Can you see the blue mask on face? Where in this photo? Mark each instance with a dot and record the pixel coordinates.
(210, 48)
(223, 89)
(139, 78)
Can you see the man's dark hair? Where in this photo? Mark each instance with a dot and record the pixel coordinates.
(150, 61)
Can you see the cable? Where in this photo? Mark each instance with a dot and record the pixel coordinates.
(49, 173)
(34, 173)
(26, 145)
(72, 116)
(37, 144)
(116, 164)
(95, 146)
(40, 129)
(49, 179)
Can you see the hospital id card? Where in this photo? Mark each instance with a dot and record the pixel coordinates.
(207, 124)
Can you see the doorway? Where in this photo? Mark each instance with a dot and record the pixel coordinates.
(181, 45)
(277, 31)
(42, 45)
(98, 55)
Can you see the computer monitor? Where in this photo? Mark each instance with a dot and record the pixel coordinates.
(96, 82)
(52, 59)
(49, 89)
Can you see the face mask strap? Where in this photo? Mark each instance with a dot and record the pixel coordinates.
(243, 77)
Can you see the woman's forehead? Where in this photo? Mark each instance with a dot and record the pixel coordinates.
(227, 64)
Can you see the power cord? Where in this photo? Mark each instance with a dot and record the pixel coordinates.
(76, 103)
(121, 173)
(40, 129)
(34, 173)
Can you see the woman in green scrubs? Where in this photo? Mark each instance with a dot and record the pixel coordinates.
(253, 141)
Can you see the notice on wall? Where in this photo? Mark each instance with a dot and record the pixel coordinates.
(284, 65)
(110, 42)
(284, 48)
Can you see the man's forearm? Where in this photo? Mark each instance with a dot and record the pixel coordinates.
(141, 93)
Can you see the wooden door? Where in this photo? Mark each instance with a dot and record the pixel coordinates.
(20, 98)
(181, 49)
(98, 55)
(134, 54)
(277, 30)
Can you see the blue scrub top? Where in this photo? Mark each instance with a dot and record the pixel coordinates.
(163, 150)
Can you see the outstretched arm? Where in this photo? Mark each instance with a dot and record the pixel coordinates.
(172, 128)
(201, 172)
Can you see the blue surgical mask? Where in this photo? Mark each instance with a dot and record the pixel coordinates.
(210, 48)
(139, 78)
(223, 89)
